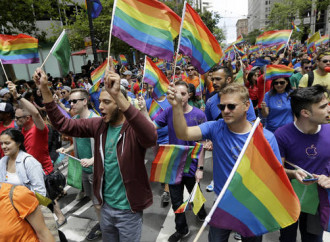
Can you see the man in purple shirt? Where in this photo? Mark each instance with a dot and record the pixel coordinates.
(305, 143)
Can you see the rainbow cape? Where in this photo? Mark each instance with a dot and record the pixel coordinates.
(123, 60)
(324, 207)
(278, 71)
(147, 25)
(198, 42)
(274, 37)
(18, 49)
(156, 78)
(259, 198)
(154, 110)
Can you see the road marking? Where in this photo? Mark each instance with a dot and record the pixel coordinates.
(83, 208)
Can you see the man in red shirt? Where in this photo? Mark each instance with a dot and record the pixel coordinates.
(6, 119)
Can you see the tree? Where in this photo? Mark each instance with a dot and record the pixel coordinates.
(211, 20)
(251, 37)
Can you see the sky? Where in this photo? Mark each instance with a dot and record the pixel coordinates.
(230, 11)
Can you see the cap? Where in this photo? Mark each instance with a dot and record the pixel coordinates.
(67, 88)
(6, 107)
(127, 73)
(3, 92)
(124, 83)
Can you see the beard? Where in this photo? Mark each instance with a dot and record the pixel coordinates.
(114, 116)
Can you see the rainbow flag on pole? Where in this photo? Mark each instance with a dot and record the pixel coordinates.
(259, 198)
(196, 150)
(19, 49)
(147, 25)
(311, 42)
(115, 62)
(239, 40)
(278, 71)
(156, 78)
(274, 37)
(293, 26)
(253, 48)
(154, 110)
(99, 72)
(123, 60)
(198, 42)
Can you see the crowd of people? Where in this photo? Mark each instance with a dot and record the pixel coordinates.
(110, 130)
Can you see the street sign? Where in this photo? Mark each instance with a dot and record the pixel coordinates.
(307, 20)
(297, 21)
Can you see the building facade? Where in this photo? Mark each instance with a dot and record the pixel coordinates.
(242, 27)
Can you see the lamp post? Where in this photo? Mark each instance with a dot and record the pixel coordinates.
(91, 28)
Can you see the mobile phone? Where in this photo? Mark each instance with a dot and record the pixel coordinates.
(310, 179)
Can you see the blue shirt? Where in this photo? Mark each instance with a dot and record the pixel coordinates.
(280, 112)
(212, 111)
(227, 146)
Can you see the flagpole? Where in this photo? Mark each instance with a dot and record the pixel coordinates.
(54, 46)
(179, 41)
(111, 26)
(4, 71)
(144, 71)
(287, 42)
(70, 156)
(230, 177)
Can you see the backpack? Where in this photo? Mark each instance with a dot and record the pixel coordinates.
(310, 78)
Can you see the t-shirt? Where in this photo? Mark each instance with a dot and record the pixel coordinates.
(194, 81)
(14, 227)
(261, 90)
(193, 118)
(114, 189)
(36, 144)
(162, 132)
(2, 128)
(253, 91)
(212, 110)
(322, 80)
(295, 79)
(227, 146)
(65, 103)
(308, 151)
(280, 112)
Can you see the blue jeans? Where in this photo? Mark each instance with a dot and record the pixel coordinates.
(120, 224)
(309, 226)
(222, 235)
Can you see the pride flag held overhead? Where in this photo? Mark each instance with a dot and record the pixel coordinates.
(293, 26)
(239, 40)
(311, 42)
(99, 72)
(154, 110)
(274, 37)
(147, 25)
(198, 42)
(278, 71)
(19, 49)
(156, 78)
(259, 197)
(123, 60)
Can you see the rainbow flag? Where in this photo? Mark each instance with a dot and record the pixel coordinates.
(169, 163)
(179, 60)
(280, 47)
(311, 42)
(278, 71)
(147, 25)
(293, 26)
(239, 40)
(115, 62)
(324, 40)
(95, 87)
(239, 51)
(156, 78)
(18, 49)
(154, 110)
(196, 150)
(254, 48)
(198, 42)
(200, 87)
(123, 60)
(160, 64)
(274, 37)
(99, 72)
(244, 58)
(183, 207)
(324, 207)
(259, 198)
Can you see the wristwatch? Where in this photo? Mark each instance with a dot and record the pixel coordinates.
(200, 168)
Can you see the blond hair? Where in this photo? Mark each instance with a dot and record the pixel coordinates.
(236, 88)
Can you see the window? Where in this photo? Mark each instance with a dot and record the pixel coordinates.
(266, 3)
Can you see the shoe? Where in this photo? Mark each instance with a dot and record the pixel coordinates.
(80, 196)
(201, 215)
(95, 233)
(61, 224)
(165, 199)
(237, 236)
(177, 236)
(210, 187)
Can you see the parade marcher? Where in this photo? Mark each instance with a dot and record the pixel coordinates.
(251, 84)
(7, 120)
(306, 143)
(192, 77)
(306, 66)
(228, 136)
(65, 96)
(120, 182)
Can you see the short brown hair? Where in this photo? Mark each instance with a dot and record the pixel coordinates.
(236, 88)
(82, 91)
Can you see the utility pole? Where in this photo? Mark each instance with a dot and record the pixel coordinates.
(313, 17)
(91, 28)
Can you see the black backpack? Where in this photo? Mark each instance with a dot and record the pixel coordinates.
(310, 78)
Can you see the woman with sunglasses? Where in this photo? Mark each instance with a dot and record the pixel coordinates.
(276, 107)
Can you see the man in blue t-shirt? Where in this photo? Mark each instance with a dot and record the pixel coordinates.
(228, 136)
(306, 143)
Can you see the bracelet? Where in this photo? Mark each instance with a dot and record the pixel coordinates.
(200, 168)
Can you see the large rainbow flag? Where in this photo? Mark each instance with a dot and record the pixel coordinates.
(198, 42)
(147, 25)
(324, 40)
(155, 77)
(154, 110)
(278, 71)
(324, 208)
(274, 37)
(312, 41)
(19, 49)
(259, 198)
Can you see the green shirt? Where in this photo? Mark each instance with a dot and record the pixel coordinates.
(295, 78)
(114, 189)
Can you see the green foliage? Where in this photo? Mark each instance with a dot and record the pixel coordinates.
(251, 37)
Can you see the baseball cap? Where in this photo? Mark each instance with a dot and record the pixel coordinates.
(67, 88)
(6, 107)
(3, 92)
(127, 73)
(124, 83)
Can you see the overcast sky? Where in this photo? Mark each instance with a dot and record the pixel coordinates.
(230, 11)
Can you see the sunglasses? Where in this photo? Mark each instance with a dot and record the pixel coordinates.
(279, 83)
(308, 68)
(230, 106)
(63, 93)
(190, 69)
(74, 101)
(216, 78)
(325, 61)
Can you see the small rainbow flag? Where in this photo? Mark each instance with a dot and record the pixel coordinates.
(98, 73)
(324, 40)
(183, 207)
(147, 25)
(254, 48)
(156, 78)
(198, 42)
(259, 198)
(169, 163)
(293, 26)
(19, 49)
(123, 60)
(160, 64)
(115, 62)
(200, 87)
(274, 37)
(154, 110)
(239, 51)
(244, 58)
(278, 71)
(95, 87)
(239, 40)
(196, 151)
(324, 207)
(179, 59)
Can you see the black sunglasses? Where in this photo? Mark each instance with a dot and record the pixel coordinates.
(325, 61)
(308, 67)
(230, 106)
(63, 92)
(74, 101)
(190, 69)
(216, 78)
(279, 83)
